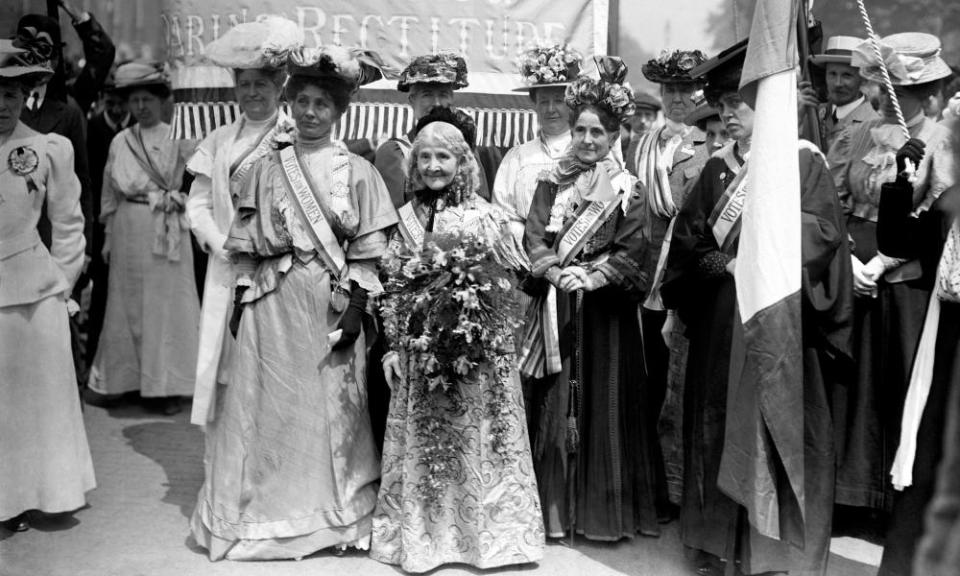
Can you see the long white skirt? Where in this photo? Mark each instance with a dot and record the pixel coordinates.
(46, 462)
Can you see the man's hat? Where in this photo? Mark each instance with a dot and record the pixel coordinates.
(839, 50)
(442, 68)
(645, 101)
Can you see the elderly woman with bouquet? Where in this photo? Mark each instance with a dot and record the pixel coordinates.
(458, 484)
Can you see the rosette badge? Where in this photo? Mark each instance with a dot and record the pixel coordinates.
(556, 65)
(23, 162)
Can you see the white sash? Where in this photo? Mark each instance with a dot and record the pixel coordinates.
(583, 228)
(410, 227)
(310, 211)
(730, 214)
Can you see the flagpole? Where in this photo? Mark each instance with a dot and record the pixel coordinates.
(811, 124)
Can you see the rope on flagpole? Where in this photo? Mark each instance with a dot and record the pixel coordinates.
(887, 83)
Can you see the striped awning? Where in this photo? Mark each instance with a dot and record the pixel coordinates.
(502, 120)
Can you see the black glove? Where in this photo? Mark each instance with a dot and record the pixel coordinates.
(351, 323)
(237, 310)
(913, 151)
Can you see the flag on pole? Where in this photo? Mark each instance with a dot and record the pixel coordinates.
(767, 377)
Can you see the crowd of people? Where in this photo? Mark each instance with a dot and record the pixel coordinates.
(598, 402)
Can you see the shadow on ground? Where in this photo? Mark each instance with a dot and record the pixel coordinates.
(177, 446)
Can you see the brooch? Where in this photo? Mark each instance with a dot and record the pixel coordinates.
(23, 161)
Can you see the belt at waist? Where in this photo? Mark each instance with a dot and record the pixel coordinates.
(138, 199)
(18, 243)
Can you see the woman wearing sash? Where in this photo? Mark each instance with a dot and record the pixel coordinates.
(292, 466)
(892, 295)
(220, 165)
(46, 462)
(149, 338)
(488, 516)
(587, 239)
(699, 284)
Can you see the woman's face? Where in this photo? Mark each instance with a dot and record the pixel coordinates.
(910, 105)
(552, 111)
(737, 116)
(146, 107)
(11, 104)
(257, 94)
(677, 100)
(591, 141)
(314, 112)
(437, 166)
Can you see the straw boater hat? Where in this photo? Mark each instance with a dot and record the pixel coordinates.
(839, 50)
(264, 44)
(442, 68)
(674, 68)
(138, 74)
(911, 58)
(556, 66)
(15, 64)
(353, 66)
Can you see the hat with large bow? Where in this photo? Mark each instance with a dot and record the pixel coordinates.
(611, 91)
(911, 58)
(264, 44)
(354, 66)
(442, 68)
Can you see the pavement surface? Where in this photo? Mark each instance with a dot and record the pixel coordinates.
(149, 470)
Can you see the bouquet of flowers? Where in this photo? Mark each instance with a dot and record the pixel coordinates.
(549, 65)
(452, 310)
(451, 307)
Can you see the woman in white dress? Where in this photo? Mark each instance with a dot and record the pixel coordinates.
(46, 462)
(256, 53)
(149, 338)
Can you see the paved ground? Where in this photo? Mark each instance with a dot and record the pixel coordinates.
(149, 471)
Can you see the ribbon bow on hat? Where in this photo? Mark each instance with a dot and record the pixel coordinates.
(903, 69)
(612, 69)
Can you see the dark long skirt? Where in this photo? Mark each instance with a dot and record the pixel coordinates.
(906, 521)
(614, 489)
(868, 407)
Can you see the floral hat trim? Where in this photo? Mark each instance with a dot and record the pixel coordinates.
(673, 67)
(354, 66)
(551, 66)
(611, 91)
(440, 68)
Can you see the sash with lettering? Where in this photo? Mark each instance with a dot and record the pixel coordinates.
(725, 219)
(410, 227)
(312, 214)
(540, 352)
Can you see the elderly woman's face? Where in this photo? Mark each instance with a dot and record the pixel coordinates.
(11, 104)
(437, 166)
(591, 141)
(314, 112)
(146, 107)
(257, 93)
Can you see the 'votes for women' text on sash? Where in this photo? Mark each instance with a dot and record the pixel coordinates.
(308, 207)
(410, 227)
(725, 218)
(540, 353)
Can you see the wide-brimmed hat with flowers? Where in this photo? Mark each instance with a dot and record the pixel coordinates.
(611, 92)
(139, 74)
(674, 67)
(553, 66)
(15, 64)
(440, 68)
(353, 66)
(911, 58)
(264, 44)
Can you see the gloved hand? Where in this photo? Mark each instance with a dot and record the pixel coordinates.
(351, 323)
(237, 310)
(913, 151)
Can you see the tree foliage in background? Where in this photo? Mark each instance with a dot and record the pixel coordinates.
(731, 20)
